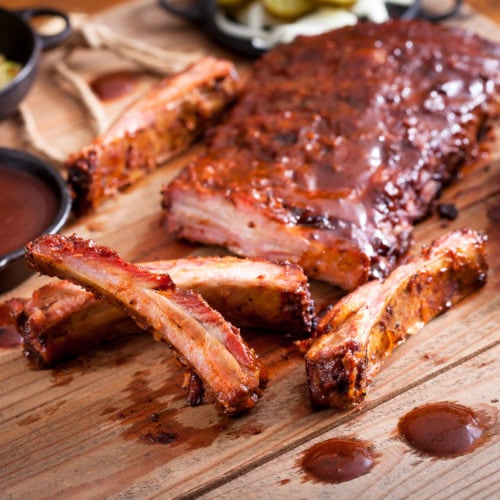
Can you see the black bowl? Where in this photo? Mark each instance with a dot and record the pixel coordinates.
(20, 43)
(204, 13)
(12, 266)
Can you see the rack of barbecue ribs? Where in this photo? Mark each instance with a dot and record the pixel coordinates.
(209, 347)
(62, 320)
(155, 128)
(364, 327)
(337, 145)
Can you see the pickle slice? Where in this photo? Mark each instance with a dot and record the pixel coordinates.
(288, 9)
(8, 70)
(337, 3)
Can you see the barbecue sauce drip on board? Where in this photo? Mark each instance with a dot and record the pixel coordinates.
(338, 460)
(494, 213)
(442, 429)
(27, 207)
(9, 336)
(113, 85)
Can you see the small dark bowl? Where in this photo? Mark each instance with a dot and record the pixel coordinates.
(20, 43)
(203, 12)
(12, 266)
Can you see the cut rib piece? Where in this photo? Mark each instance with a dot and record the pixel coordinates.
(198, 335)
(337, 145)
(364, 327)
(160, 125)
(62, 320)
(248, 292)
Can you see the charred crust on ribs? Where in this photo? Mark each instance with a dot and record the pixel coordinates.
(154, 129)
(365, 326)
(62, 320)
(201, 340)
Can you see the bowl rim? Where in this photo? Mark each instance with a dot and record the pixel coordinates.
(34, 165)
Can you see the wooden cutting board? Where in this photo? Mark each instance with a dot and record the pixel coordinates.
(114, 424)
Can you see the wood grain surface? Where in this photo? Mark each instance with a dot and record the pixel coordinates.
(114, 424)
(490, 8)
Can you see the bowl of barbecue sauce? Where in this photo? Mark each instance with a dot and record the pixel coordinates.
(34, 200)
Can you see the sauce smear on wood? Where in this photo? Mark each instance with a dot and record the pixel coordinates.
(113, 85)
(494, 213)
(441, 429)
(9, 336)
(27, 207)
(338, 460)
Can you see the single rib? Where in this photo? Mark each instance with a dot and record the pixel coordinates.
(160, 125)
(364, 327)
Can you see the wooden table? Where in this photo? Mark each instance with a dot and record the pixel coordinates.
(490, 8)
(87, 429)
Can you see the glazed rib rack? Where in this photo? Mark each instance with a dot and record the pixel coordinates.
(338, 145)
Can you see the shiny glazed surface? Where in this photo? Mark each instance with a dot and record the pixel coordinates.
(441, 429)
(309, 147)
(338, 460)
(27, 207)
(109, 86)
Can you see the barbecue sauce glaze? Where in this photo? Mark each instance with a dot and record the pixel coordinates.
(350, 135)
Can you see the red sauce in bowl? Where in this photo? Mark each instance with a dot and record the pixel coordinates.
(28, 206)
